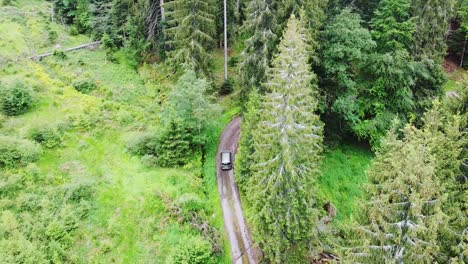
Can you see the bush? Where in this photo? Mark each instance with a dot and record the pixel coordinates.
(16, 99)
(170, 147)
(73, 31)
(84, 86)
(16, 152)
(194, 251)
(48, 136)
(233, 61)
(227, 87)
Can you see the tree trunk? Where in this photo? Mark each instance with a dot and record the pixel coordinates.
(463, 52)
(225, 41)
(161, 4)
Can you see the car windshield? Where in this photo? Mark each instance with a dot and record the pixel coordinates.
(225, 158)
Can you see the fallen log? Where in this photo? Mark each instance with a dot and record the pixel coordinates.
(88, 45)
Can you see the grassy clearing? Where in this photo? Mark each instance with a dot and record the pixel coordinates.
(456, 79)
(342, 179)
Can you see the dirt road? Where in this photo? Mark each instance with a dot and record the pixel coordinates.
(234, 222)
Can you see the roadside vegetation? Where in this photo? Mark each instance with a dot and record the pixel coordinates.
(353, 139)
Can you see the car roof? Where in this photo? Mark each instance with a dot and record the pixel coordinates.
(225, 157)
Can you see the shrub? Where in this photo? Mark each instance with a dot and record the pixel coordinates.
(233, 61)
(167, 148)
(194, 251)
(73, 31)
(16, 152)
(16, 99)
(48, 136)
(227, 87)
(84, 86)
(80, 192)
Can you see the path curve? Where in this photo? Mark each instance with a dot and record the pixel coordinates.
(239, 237)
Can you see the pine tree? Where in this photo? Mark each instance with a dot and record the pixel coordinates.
(190, 30)
(286, 158)
(402, 220)
(255, 59)
(431, 21)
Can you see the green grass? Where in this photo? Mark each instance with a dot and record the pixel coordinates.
(456, 79)
(342, 179)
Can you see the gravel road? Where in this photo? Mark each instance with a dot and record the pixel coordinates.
(234, 222)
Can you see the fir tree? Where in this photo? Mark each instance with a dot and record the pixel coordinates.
(190, 30)
(260, 27)
(431, 21)
(286, 158)
(403, 219)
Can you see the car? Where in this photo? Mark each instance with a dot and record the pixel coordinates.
(226, 160)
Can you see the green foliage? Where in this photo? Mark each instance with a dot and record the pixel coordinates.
(16, 99)
(392, 26)
(84, 86)
(190, 30)
(16, 152)
(417, 179)
(195, 251)
(49, 136)
(259, 26)
(246, 147)
(7, 2)
(189, 108)
(227, 87)
(52, 34)
(343, 59)
(287, 145)
(401, 181)
(431, 20)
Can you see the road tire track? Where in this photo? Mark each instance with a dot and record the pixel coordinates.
(238, 233)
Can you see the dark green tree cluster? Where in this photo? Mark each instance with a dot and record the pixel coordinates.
(376, 70)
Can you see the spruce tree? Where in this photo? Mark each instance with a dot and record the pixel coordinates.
(403, 218)
(287, 148)
(442, 131)
(190, 30)
(259, 26)
(431, 19)
(348, 46)
(389, 76)
(246, 149)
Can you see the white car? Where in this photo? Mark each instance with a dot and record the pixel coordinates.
(226, 160)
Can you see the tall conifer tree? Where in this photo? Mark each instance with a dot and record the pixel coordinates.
(431, 20)
(286, 160)
(403, 219)
(246, 149)
(190, 30)
(260, 27)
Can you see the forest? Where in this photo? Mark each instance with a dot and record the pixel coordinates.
(352, 146)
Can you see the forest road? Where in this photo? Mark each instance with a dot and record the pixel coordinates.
(235, 225)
